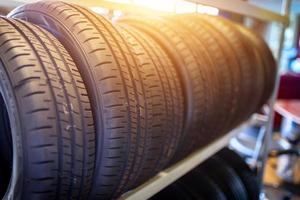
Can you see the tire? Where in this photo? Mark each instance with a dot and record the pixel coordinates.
(253, 72)
(233, 45)
(203, 185)
(225, 178)
(49, 113)
(113, 82)
(193, 194)
(267, 60)
(174, 191)
(194, 79)
(221, 79)
(164, 88)
(248, 176)
(226, 67)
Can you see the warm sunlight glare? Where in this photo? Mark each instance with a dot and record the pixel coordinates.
(185, 7)
(160, 5)
(178, 6)
(207, 10)
(100, 10)
(120, 1)
(117, 13)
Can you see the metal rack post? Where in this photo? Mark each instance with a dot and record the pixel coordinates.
(267, 137)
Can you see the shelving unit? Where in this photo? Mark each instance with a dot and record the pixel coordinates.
(173, 173)
(245, 9)
(236, 6)
(170, 175)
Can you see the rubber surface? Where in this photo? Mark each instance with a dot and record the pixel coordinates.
(246, 73)
(114, 85)
(253, 72)
(167, 96)
(193, 194)
(200, 183)
(247, 175)
(176, 191)
(198, 96)
(50, 115)
(225, 67)
(268, 61)
(225, 178)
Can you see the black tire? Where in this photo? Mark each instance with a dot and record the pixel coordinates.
(52, 131)
(225, 178)
(203, 185)
(252, 70)
(266, 58)
(194, 77)
(191, 192)
(247, 175)
(164, 88)
(113, 83)
(226, 67)
(174, 191)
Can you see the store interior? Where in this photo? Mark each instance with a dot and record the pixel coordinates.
(261, 148)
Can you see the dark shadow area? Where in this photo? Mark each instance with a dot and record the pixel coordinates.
(6, 150)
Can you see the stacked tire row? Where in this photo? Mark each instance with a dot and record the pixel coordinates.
(221, 177)
(227, 72)
(91, 109)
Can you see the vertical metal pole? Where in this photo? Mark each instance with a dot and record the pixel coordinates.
(285, 10)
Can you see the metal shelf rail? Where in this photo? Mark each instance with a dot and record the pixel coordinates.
(246, 9)
(235, 6)
(170, 175)
(265, 138)
(173, 173)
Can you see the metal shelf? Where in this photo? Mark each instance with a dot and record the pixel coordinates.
(246, 9)
(173, 173)
(130, 8)
(235, 6)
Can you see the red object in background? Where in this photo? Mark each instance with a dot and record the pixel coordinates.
(289, 89)
(289, 86)
(289, 109)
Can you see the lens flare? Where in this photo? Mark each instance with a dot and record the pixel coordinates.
(120, 1)
(100, 10)
(207, 10)
(185, 7)
(159, 5)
